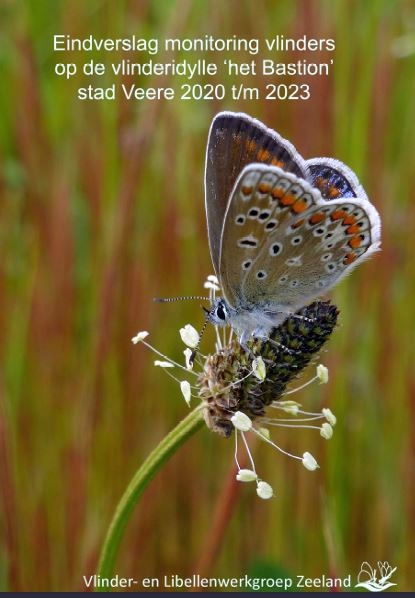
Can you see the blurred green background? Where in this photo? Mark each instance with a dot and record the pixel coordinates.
(101, 209)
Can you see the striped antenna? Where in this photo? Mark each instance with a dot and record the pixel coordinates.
(172, 299)
(196, 349)
(207, 312)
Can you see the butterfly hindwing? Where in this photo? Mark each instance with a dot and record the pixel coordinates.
(283, 244)
(333, 179)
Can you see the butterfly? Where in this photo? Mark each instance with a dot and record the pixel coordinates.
(282, 230)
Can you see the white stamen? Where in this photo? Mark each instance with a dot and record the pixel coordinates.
(309, 462)
(213, 278)
(241, 421)
(163, 364)
(290, 407)
(264, 490)
(326, 431)
(140, 336)
(189, 336)
(211, 286)
(187, 355)
(330, 417)
(322, 373)
(174, 363)
(246, 475)
(264, 432)
(186, 392)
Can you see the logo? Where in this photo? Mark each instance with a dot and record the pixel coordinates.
(367, 577)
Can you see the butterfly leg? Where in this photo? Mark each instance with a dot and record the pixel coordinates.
(281, 347)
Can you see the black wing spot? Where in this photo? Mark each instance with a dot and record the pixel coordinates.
(249, 242)
(261, 274)
(275, 249)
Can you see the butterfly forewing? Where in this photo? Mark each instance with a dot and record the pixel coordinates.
(283, 244)
(236, 140)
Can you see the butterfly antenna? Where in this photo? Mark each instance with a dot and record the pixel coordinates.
(207, 312)
(196, 349)
(172, 299)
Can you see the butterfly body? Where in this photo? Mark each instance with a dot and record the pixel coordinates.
(248, 320)
(282, 230)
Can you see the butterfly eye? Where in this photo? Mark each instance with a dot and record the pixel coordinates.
(220, 312)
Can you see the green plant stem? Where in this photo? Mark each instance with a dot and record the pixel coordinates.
(167, 447)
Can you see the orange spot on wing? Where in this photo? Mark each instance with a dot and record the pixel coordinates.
(339, 215)
(355, 242)
(349, 220)
(333, 192)
(264, 188)
(349, 259)
(327, 190)
(287, 199)
(263, 155)
(277, 193)
(251, 145)
(351, 230)
(321, 183)
(299, 206)
(316, 218)
(247, 189)
(276, 162)
(298, 224)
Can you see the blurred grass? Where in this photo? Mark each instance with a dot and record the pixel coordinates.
(101, 209)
